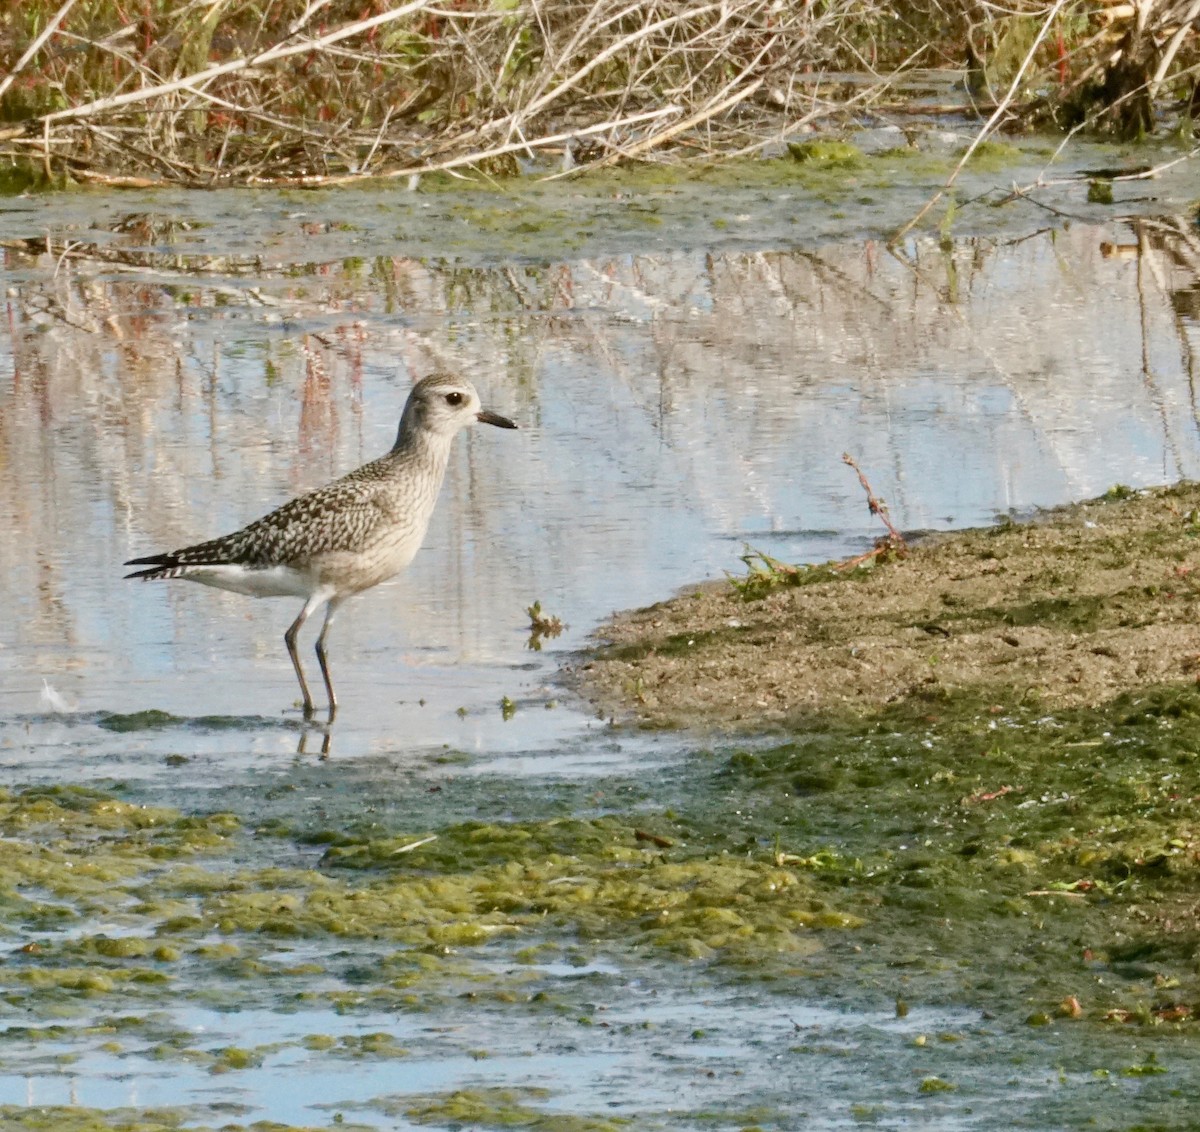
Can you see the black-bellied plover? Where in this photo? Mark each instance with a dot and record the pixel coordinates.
(345, 537)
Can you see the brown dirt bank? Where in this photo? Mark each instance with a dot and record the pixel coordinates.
(1070, 609)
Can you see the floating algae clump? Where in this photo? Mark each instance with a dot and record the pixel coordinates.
(827, 151)
(499, 1108)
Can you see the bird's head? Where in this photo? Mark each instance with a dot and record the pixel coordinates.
(442, 404)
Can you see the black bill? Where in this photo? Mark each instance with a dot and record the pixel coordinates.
(494, 418)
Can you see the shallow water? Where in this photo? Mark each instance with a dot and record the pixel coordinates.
(173, 366)
(674, 406)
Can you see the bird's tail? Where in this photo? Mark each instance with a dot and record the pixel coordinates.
(159, 566)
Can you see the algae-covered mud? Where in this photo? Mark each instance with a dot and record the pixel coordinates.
(952, 887)
(845, 928)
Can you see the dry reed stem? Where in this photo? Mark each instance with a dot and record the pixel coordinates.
(1186, 24)
(467, 159)
(709, 60)
(46, 32)
(642, 33)
(270, 55)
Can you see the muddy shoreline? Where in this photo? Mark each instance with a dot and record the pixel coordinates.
(1067, 610)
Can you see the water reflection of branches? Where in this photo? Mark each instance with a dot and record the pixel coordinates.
(1177, 239)
(161, 264)
(716, 358)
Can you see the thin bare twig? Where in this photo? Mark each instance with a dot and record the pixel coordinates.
(270, 55)
(466, 159)
(891, 543)
(449, 86)
(720, 102)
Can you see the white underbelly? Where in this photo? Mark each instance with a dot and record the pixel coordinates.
(271, 581)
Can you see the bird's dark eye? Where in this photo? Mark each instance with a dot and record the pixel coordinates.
(454, 398)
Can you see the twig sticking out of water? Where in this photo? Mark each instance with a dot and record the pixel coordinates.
(890, 544)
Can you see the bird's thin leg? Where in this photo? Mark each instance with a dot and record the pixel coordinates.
(289, 639)
(323, 657)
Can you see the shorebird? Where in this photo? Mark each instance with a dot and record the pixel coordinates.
(345, 537)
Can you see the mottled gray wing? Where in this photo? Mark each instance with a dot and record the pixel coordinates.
(342, 516)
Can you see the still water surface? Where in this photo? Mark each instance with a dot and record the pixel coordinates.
(162, 382)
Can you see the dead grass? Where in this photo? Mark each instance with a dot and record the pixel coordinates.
(279, 91)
